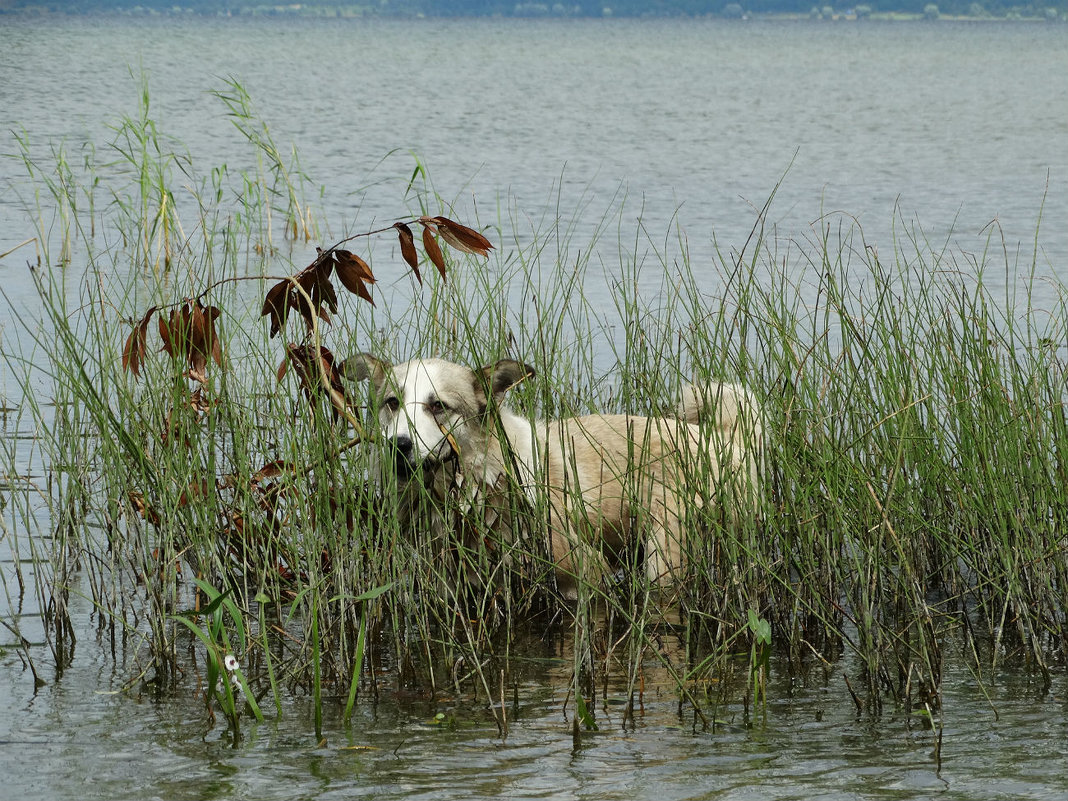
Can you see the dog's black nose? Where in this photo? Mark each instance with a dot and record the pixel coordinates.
(403, 449)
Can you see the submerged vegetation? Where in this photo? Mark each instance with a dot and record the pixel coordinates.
(210, 487)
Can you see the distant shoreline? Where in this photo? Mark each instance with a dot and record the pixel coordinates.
(296, 11)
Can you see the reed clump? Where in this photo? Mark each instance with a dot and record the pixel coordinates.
(914, 452)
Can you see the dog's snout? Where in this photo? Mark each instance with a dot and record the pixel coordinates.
(403, 455)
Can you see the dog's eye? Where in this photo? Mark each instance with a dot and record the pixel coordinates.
(436, 407)
(391, 403)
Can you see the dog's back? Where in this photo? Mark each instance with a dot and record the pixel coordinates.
(726, 407)
(615, 482)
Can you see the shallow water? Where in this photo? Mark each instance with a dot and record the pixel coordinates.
(80, 740)
(953, 125)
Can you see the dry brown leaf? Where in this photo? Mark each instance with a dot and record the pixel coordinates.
(315, 367)
(198, 402)
(198, 369)
(364, 293)
(433, 250)
(300, 300)
(137, 500)
(276, 304)
(270, 470)
(133, 351)
(191, 337)
(354, 274)
(204, 342)
(212, 314)
(464, 239)
(349, 263)
(165, 335)
(173, 333)
(318, 373)
(195, 490)
(407, 246)
(322, 288)
(186, 336)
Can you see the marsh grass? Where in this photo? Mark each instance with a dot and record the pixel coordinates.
(914, 454)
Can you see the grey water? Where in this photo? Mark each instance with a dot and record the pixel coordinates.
(934, 133)
(948, 126)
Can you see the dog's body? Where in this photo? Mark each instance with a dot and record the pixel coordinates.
(608, 482)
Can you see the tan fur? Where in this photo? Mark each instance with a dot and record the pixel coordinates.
(608, 482)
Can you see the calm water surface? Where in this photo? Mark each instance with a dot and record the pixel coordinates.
(72, 739)
(948, 127)
(954, 126)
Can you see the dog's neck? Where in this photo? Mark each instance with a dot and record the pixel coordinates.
(485, 464)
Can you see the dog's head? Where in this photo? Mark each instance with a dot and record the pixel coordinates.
(429, 410)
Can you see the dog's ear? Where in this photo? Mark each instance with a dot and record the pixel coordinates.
(504, 375)
(364, 366)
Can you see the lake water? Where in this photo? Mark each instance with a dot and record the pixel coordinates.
(951, 125)
(945, 126)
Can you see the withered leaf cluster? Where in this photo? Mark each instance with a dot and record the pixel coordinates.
(311, 293)
(318, 373)
(455, 235)
(252, 511)
(188, 335)
(311, 288)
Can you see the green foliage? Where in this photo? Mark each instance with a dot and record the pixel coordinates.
(224, 675)
(759, 655)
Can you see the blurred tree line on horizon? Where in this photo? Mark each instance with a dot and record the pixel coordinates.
(1049, 9)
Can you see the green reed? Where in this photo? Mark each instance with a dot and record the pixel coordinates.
(914, 451)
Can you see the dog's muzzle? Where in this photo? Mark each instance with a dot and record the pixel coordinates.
(402, 450)
(405, 464)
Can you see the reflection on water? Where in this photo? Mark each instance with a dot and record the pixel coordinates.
(811, 743)
(1008, 740)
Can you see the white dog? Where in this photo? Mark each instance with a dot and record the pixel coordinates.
(609, 483)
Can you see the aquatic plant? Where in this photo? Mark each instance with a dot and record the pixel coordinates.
(221, 494)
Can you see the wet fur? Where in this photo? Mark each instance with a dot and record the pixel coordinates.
(609, 482)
